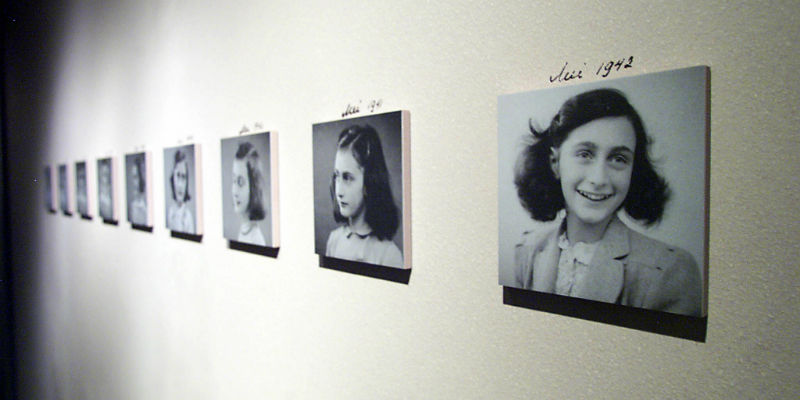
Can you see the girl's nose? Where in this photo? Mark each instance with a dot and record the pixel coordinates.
(598, 175)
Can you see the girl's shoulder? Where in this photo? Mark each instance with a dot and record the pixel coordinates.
(658, 254)
(390, 254)
(537, 237)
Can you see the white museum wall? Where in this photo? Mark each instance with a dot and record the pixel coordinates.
(105, 311)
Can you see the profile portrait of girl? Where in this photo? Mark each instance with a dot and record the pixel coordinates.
(138, 213)
(179, 216)
(248, 193)
(362, 200)
(574, 178)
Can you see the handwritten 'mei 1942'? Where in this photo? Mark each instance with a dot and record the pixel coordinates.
(605, 68)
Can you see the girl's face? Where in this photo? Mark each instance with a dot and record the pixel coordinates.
(241, 186)
(180, 180)
(348, 178)
(135, 179)
(594, 165)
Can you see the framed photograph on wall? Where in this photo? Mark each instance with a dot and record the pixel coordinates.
(106, 189)
(82, 189)
(362, 199)
(64, 202)
(603, 191)
(49, 202)
(250, 189)
(138, 189)
(182, 189)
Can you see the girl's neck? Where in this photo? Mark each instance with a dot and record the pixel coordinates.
(359, 226)
(580, 231)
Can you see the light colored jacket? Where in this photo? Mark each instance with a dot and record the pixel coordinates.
(627, 268)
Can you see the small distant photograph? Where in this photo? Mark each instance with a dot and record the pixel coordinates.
(360, 204)
(137, 189)
(105, 189)
(81, 189)
(603, 188)
(248, 190)
(49, 202)
(181, 189)
(63, 189)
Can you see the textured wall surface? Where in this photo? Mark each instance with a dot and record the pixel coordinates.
(107, 312)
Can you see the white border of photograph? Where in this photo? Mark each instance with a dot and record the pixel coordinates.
(394, 133)
(263, 148)
(193, 213)
(674, 108)
(139, 208)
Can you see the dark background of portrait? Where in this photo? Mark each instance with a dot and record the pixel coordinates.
(81, 174)
(325, 139)
(673, 109)
(48, 189)
(129, 184)
(231, 222)
(169, 163)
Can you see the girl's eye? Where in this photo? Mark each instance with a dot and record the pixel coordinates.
(620, 160)
(584, 154)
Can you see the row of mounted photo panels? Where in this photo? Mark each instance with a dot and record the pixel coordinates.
(602, 197)
(361, 189)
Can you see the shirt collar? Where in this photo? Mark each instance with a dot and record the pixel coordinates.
(614, 244)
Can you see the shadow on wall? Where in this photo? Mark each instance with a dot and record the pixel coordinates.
(29, 60)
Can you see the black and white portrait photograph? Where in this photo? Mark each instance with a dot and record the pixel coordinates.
(81, 189)
(63, 189)
(181, 189)
(138, 192)
(359, 197)
(602, 191)
(249, 207)
(105, 190)
(49, 202)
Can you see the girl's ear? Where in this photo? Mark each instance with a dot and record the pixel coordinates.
(554, 161)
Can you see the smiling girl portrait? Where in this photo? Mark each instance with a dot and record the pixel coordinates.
(592, 190)
(358, 190)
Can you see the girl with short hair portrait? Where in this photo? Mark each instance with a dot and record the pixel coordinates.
(179, 216)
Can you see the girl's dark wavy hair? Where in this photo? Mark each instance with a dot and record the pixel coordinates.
(138, 163)
(180, 155)
(537, 187)
(380, 212)
(255, 178)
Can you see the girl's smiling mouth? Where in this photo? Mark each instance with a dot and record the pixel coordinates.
(594, 196)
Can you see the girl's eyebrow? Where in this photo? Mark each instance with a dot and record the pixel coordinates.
(621, 149)
(593, 146)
